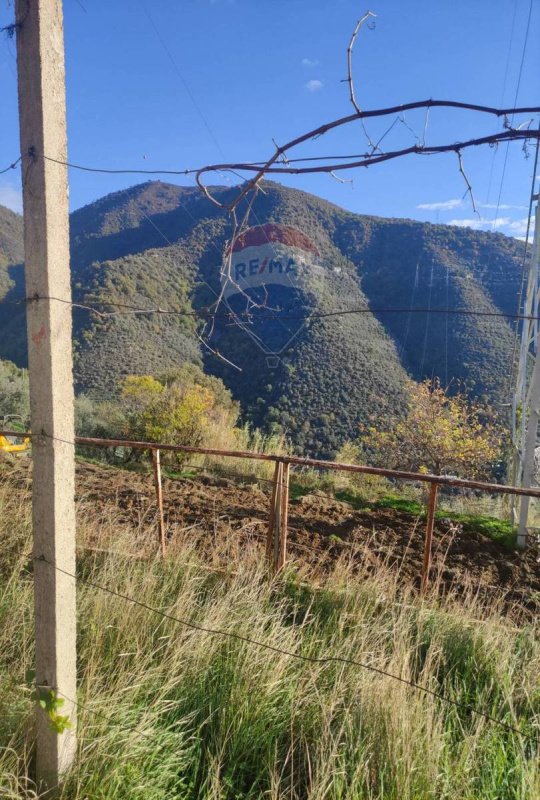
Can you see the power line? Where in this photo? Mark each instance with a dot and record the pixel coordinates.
(122, 171)
(180, 75)
(503, 93)
(11, 166)
(365, 159)
(216, 295)
(424, 351)
(231, 316)
(408, 325)
(524, 49)
(298, 656)
(266, 167)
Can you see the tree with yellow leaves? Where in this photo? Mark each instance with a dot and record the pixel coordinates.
(178, 413)
(441, 433)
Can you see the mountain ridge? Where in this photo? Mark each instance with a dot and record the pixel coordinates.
(160, 245)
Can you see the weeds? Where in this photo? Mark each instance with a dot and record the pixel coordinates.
(171, 713)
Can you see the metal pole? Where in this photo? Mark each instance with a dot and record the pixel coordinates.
(40, 63)
(528, 352)
(284, 517)
(530, 411)
(432, 506)
(278, 508)
(420, 477)
(272, 514)
(156, 462)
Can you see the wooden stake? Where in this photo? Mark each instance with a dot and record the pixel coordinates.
(432, 506)
(159, 497)
(284, 507)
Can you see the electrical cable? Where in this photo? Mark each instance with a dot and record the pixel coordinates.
(289, 653)
(231, 316)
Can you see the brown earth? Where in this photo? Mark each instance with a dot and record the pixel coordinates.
(321, 530)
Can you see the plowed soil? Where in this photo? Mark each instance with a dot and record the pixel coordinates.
(321, 530)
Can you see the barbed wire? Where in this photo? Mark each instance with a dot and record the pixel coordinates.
(266, 646)
(341, 162)
(289, 653)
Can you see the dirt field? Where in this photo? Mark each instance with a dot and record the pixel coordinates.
(321, 529)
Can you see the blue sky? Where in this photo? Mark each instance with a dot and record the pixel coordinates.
(181, 83)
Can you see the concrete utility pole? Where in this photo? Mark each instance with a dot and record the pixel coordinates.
(526, 403)
(42, 116)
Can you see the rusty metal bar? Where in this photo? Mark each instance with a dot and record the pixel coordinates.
(156, 462)
(278, 510)
(440, 480)
(272, 514)
(432, 507)
(284, 517)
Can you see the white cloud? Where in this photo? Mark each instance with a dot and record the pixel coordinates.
(11, 198)
(310, 62)
(444, 205)
(519, 226)
(476, 224)
(314, 85)
(511, 227)
(481, 223)
(448, 205)
(502, 207)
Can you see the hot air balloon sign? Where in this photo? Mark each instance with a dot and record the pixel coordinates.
(266, 280)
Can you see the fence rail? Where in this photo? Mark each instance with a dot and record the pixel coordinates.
(276, 544)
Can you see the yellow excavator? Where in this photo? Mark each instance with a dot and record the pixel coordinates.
(13, 444)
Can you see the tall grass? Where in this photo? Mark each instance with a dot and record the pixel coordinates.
(169, 712)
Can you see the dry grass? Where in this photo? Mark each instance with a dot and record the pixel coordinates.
(170, 712)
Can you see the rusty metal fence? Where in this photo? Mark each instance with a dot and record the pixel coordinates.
(277, 531)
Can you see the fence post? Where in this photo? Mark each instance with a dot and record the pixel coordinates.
(42, 117)
(278, 508)
(432, 506)
(156, 461)
(272, 514)
(284, 504)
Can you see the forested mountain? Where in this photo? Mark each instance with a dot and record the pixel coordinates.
(12, 332)
(11, 233)
(317, 376)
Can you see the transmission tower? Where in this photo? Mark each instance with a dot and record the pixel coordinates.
(526, 401)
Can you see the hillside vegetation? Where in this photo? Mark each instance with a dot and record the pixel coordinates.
(160, 246)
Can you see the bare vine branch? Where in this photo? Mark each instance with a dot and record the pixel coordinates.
(468, 190)
(350, 79)
(366, 161)
(349, 58)
(378, 112)
(279, 162)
